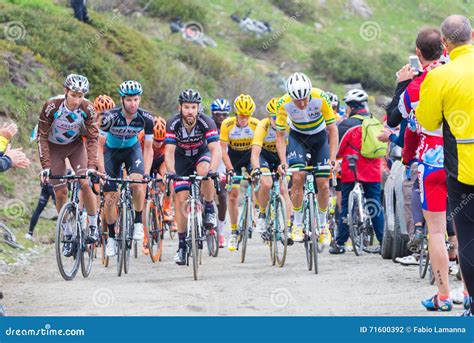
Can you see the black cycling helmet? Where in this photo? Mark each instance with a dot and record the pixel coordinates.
(189, 96)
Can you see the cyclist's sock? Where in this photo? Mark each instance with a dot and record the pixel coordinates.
(209, 206)
(111, 228)
(92, 220)
(443, 297)
(234, 229)
(262, 210)
(298, 216)
(182, 239)
(220, 227)
(323, 219)
(138, 217)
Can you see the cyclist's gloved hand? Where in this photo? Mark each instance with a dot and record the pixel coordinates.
(170, 176)
(282, 168)
(256, 172)
(230, 172)
(212, 174)
(146, 177)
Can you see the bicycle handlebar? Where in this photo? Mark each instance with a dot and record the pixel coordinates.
(193, 178)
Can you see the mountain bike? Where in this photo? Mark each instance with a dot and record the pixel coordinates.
(358, 218)
(276, 223)
(196, 232)
(245, 223)
(72, 232)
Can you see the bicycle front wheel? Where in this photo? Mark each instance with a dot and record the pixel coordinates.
(120, 238)
(280, 230)
(68, 252)
(314, 228)
(128, 241)
(194, 243)
(307, 237)
(244, 231)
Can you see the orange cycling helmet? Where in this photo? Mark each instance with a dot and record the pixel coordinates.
(159, 129)
(103, 103)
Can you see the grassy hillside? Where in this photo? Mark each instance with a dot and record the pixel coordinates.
(41, 42)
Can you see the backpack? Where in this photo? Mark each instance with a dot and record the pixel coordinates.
(371, 147)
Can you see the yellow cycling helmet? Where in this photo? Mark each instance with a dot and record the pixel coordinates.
(244, 105)
(272, 107)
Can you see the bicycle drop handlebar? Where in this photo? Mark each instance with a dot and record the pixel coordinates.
(193, 178)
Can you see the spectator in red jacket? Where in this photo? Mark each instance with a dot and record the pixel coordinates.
(369, 171)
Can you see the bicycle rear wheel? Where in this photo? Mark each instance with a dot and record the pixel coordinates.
(104, 234)
(67, 233)
(87, 253)
(153, 232)
(354, 222)
(269, 227)
(212, 241)
(314, 226)
(280, 229)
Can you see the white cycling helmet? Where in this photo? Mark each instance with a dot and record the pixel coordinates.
(356, 95)
(298, 86)
(77, 83)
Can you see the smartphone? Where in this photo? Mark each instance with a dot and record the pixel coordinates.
(415, 63)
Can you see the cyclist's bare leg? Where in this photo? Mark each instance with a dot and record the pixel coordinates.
(453, 253)
(181, 214)
(323, 192)
(234, 204)
(138, 191)
(284, 192)
(88, 197)
(207, 188)
(264, 192)
(61, 196)
(297, 189)
(339, 200)
(436, 222)
(110, 208)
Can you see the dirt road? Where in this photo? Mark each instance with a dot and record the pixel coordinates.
(346, 285)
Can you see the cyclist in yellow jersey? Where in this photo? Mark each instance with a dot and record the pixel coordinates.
(236, 141)
(311, 122)
(264, 159)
